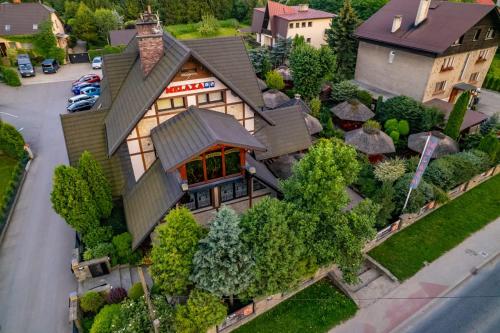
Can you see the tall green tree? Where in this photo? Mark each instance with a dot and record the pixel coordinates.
(274, 247)
(45, 43)
(221, 264)
(106, 20)
(71, 198)
(317, 187)
(281, 51)
(201, 312)
(306, 70)
(259, 58)
(99, 187)
(457, 115)
(84, 26)
(327, 61)
(173, 251)
(342, 41)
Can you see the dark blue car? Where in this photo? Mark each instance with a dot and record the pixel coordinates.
(78, 87)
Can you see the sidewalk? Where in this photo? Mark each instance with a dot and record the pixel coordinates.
(434, 280)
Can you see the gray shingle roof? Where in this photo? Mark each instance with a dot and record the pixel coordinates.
(138, 93)
(289, 135)
(115, 70)
(262, 173)
(21, 17)
(191, 132)
(149, 200)
(121, 37)
(85, 131)
(225, 57)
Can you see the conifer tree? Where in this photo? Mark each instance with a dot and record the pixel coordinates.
(221, 264)
(341, 40)
(457, 115)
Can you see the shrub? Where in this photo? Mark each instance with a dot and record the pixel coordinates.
(419, 197)
(403, 127)
(201, 312)
(11, 141)
(108, 49)
(364, 97)
(366, 182)
(490, 145)
(123, 247)
(343, 91)
(483, 161)
(208, 25)
(91, 302)
(420, 118)
(103, 320)
(136, 291)
(133, 317)
(491, 124)
(384, 197)
(274, 80)
(391, 125)
(96, 236)
(164, 312)
(10, 77)
(116, 295)
(101, 250)
(371, 125)
(315, 106)
(394, 136)
(390, 170)
(457, 115)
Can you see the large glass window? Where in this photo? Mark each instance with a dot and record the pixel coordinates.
(170, 103)
(194, 171)
(232, 161)
(214, 165)
(198, 199)
(212, 97)
(233, 190)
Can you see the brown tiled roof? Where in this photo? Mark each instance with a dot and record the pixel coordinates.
(190, 133)
(21, 17)
(471, 118)
(446, 22)
(295, 14)
(121, 37)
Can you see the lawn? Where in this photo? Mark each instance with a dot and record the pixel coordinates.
(7, 165)
(190, 30)
(495, 67)
(314, 309)
(404, 254)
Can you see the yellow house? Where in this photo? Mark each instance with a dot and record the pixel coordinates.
(280, 21)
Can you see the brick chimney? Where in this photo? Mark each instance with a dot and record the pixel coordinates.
(150, 40)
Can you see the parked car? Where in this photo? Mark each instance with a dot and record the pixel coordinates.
(90, 78)
(50, 66)
(91, 91)
(78, 98)
(97, 63)
(24, 65)
(77, 88)
(82, 105)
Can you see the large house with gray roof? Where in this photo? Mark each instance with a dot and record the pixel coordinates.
(427, 49)
(183, 123)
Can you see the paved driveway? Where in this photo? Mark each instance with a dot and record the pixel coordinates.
(35, 257)
(489, 102)
(68, 72)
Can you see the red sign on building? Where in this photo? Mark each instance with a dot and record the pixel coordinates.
(189, 87)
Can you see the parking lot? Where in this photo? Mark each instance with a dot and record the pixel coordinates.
(68, 72)
(35, 256)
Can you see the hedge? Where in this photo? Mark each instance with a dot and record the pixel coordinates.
(10, 77)
(11, 190)
(108, 49)
(11, 141)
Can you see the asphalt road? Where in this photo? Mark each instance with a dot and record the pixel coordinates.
(35, 257)
(474, 308)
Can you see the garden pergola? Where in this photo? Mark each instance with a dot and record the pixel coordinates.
(445, 146)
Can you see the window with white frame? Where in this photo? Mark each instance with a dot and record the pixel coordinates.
(490, 34)
(164, 104)
(440, 87)
(447, 63)
(213, 97)
(474, 77)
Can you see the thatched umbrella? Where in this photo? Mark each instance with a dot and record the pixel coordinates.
(281, 167)
(370, 139)
(313, 124)
(445, 146)
(285, 73)
(274, 98)
(352, 110)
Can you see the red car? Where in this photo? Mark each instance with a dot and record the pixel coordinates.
(89, 78)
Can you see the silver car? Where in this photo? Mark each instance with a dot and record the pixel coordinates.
(80, 97)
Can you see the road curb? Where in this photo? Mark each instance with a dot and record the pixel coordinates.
(461, 281)
(16, 198)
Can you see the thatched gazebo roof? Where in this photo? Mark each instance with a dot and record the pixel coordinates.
(274, 98)
(352, 110)
(285, 73)
(445, 146)
(371, 141)
(281, 167)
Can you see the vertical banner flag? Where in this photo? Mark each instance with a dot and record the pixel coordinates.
(429, 148)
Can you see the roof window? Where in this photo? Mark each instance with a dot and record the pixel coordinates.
(7, 27)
